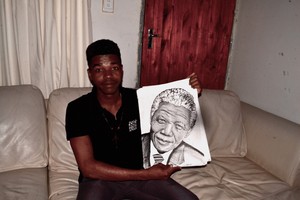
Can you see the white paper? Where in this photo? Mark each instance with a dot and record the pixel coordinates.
(196, 139)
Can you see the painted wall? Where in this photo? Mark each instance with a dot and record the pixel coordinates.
(264, 66)
(123, 27)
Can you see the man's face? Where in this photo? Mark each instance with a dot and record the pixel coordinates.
(170, 124)
(105, 73)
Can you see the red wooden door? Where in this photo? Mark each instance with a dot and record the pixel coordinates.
(193, 36)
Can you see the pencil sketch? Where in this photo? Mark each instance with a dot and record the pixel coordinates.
(174, 117)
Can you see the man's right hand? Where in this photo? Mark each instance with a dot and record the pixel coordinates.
(161, 171)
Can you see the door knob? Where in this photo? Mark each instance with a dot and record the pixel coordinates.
(151, 35)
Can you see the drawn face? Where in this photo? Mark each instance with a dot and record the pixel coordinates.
(170, 124)
(106, 73)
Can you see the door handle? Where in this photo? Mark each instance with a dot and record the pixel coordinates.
(151, 35)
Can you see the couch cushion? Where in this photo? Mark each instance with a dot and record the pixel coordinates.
(63, 169)
(63, 185)
(23, 132)
(291, 194)
(25, 184)
(221, 112)
(232, 178)
(61, 157)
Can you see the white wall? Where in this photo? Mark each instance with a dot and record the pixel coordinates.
(123, 27)
(264, 66)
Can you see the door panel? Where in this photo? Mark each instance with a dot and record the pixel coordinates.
(193, 36)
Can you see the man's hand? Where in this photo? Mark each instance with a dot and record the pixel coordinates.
(161, 171)
(194, 82)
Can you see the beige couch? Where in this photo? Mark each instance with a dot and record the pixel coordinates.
(255, 155)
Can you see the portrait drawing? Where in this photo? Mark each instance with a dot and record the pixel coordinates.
(172, 126)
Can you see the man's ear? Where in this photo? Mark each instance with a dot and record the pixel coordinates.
(188, 133)
(122, 68)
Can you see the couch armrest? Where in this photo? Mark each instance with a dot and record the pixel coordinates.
(273, 143)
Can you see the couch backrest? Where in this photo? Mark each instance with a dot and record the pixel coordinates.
(273, 143)
(61, 157)
(23, 132)
(222, 118)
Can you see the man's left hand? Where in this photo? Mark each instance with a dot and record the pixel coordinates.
(194, 82)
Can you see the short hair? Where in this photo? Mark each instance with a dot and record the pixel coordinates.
(177, 97)
(102, 47)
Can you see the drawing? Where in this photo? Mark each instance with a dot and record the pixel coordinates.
(172, 126)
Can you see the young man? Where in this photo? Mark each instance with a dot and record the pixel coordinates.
(103, 128)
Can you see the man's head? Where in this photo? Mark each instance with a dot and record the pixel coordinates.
(173, 115)
(105, 66)
(102, 47)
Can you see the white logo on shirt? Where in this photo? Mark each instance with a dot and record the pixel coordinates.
(132, 125)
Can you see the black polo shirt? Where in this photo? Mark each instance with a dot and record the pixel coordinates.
(121, 147)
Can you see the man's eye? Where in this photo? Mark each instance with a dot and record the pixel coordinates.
(115, 68)
(179, 126)
(161, 120)
(99, 70)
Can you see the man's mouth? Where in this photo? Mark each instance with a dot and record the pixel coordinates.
(163, 140)
(109, 83)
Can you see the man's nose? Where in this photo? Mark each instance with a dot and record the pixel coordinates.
(168, 129)
(108, 73)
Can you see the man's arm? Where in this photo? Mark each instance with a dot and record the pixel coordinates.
(90, 168)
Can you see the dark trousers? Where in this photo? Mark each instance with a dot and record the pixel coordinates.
(133, 190)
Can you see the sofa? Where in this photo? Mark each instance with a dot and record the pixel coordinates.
(255, 154)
